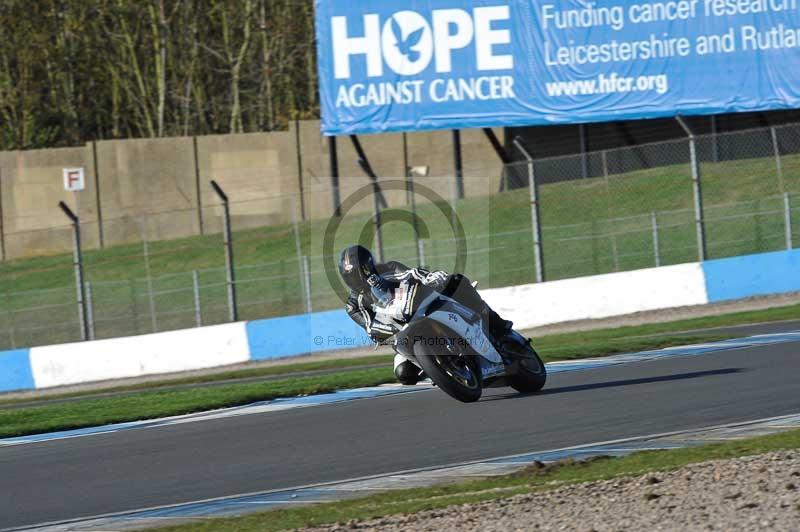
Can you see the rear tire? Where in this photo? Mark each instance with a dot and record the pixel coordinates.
(532, 374)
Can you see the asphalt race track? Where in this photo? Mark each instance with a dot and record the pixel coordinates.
(89, 476)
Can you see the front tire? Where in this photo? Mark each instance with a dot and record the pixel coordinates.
(532, 374)
(452, 368)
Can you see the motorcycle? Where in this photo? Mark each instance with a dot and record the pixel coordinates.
(448, 341)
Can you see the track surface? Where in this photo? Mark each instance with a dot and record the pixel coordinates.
(149, 467)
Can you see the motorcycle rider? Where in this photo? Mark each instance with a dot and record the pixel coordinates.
(361, 274)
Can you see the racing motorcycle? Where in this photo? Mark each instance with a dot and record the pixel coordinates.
(448, 341)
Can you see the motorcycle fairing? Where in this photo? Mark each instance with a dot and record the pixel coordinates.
(466, 324)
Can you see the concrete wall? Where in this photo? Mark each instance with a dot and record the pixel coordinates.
(481, 166)
(257, 171)
(159, 188)
(138, 177)
(31, 185)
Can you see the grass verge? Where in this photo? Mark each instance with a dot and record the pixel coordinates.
(155, 400)
(530, 480)
(287, 370)
(157, 404)
(570, 345)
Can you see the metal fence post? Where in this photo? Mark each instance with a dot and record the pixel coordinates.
(787, 208)
(134, 305)
(196, 154)
(700, 221)
(233, 312)
(421, 253)
(149, 280)
(604, 156)
(656, 245)
(198, 313)
(334, 167)
(97, 195)
(533, 188)
(458, 164)
(298, 248)
(12, 333)
(307, 284)
(778, 162)
(78, 264)
(2, 226)
(90, 310)
(11, 321)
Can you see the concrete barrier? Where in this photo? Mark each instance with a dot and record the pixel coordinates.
(297, 335)
(600, 296)
(15, 371)
(752, 275)
(136, 356)
(529, 306)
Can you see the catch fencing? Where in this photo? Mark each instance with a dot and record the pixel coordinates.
(702, 197)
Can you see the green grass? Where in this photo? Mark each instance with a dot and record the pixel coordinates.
(589, 226)
(157, 404)
(232, 375)
(152, 402)
(563, 345)
(531, 480)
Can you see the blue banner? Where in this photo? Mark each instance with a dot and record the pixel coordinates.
(410, 65)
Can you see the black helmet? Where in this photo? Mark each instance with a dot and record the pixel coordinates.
(356, 266)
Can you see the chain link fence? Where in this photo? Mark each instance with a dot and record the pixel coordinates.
(602, 212)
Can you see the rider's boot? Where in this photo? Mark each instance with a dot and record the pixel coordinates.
(459, 288)
(498, 327)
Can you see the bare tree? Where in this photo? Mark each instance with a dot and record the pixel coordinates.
(77, 70)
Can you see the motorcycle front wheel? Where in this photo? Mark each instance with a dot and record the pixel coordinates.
(453, 369)
(532, 374)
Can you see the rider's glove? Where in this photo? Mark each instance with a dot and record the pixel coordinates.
(381, 293)
(436, 280)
